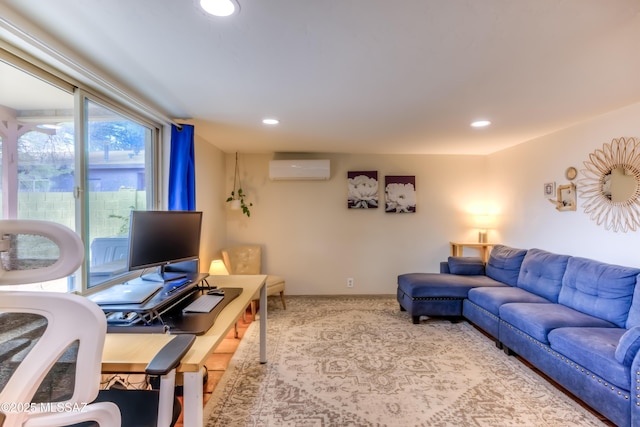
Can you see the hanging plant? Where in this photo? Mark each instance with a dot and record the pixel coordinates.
(237, 197)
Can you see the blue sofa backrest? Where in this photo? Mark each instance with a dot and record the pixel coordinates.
(599, 289)
(541, 273)
(634, 312)
(504, 264)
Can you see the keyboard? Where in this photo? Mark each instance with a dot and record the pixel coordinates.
(204, 304)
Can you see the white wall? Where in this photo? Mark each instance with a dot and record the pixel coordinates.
(516, 177)
(312, 239)
(210, 178)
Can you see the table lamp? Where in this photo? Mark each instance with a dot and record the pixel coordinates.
(484, 223)
(217, 268)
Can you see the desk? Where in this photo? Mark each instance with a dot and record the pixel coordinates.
(485, 249)
(132, 352)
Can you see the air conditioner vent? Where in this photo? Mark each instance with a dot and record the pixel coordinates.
(299, 169)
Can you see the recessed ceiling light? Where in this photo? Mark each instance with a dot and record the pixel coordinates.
(480, 123)
(270, 121)
(219, 7)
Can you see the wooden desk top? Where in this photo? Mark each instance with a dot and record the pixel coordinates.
(132, 352)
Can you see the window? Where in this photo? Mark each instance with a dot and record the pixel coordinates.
(85, 168)
(116, 176)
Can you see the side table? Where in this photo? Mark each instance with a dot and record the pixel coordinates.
(484, 248)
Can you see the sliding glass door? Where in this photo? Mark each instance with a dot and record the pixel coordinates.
(70, 157)
(115, 185)
(38, 159)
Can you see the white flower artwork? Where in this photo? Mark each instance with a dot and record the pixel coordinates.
(400, 194)
(363, 190)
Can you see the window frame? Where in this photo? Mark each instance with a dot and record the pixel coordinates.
(154, 153)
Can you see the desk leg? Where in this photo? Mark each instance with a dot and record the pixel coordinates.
(192, 392)
(263, 323)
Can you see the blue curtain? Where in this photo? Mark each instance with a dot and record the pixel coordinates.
(182, 170)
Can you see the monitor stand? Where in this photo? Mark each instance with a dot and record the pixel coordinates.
(163, 276)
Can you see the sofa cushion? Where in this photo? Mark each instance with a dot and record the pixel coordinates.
(541, 273)
(593, 349)
(504, 264)
(468, 266)
(599, 289)
(421, 285)
(628, 346)
(492, 298)
(537, 320)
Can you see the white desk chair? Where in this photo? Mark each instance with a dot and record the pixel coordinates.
(70, 319)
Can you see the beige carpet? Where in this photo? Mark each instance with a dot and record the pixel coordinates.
(359, 361)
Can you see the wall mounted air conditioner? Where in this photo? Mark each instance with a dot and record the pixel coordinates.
(299, 169)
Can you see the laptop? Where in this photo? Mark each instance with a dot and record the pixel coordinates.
(134, 293)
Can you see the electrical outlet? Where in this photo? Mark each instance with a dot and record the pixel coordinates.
(350, 282)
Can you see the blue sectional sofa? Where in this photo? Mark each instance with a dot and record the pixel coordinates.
(575, 319)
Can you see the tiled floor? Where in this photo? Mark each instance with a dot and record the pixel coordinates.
(218, 361)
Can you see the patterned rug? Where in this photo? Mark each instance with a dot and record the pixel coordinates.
(359, 361)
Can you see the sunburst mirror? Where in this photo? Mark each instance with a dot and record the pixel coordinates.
(610, 185)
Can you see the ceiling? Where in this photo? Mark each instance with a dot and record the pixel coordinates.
(358, 76)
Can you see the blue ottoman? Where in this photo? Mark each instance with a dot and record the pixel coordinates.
(437, 295)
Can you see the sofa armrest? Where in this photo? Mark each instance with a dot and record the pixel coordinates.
(628, 346)
(466, 266)
(444, 267)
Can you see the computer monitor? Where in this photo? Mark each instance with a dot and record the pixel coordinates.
(161, 238)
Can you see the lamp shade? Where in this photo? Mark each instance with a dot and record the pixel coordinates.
(217, 268)
(484, 223)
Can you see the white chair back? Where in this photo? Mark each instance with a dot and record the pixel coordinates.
(70, 245)
(70, 319)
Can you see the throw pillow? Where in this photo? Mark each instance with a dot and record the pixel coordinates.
(628, 346)
(468, 266)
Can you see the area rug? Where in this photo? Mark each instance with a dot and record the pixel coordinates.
(359, 361)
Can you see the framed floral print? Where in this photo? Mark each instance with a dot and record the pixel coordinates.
(363, 189)
(400, 193)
